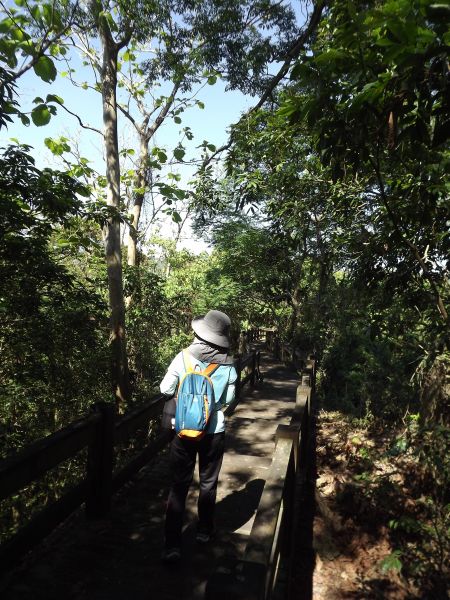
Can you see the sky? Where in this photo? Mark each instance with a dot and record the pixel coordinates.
(222, 108)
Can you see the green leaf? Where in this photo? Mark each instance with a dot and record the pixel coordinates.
(27, 47)
(54, 98)
(8, 52)
(45, 69)
(174, 176)
(384, 42)
(179, 153)
(128, 55)
(47, 11)
(177, 120)
(391, 562)
(58, 146)
(176, 217)
(40, 115)
(212, 79)
(330, 56)
(25, 120)
(299, 71)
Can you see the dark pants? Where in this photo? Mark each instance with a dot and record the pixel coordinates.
(183, 454)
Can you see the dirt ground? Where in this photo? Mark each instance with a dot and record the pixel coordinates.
(354, 556)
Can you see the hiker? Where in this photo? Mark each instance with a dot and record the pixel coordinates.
(208, 359)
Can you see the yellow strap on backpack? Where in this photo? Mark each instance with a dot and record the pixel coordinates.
(189, 368)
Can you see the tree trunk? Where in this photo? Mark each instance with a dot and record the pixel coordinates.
(142, 180)
(435, 393)
(295, 310)
(140, 183)
(111, 231)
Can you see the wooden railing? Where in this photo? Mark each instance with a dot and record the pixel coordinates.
(99, 432)
(269, 548)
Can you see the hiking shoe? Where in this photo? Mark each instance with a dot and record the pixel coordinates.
(203, 537)
(171, 555)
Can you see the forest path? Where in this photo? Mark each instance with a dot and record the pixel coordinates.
(119, 558)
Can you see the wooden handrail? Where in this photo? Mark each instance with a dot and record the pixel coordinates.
(28, 465)
(127, 425)
(100, 432)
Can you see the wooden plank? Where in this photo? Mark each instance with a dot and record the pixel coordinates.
(290, 432)
(262, 536)
(246, 379)
(35, 460)
(302, 404)
(237, 385)
(41, 525)
(236, 579)
(137, 418)
(246, 360)
(139, 461)
(100, 464)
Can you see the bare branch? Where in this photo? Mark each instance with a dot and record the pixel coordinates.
(163, 112)
(80, 121)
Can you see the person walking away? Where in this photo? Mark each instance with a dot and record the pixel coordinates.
(208, 358)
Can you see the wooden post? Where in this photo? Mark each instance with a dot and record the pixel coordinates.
(236, 579)
(253, 375)
(258, 366)
(311, 367)
(292, 433)
(238, 380)
(100, 463)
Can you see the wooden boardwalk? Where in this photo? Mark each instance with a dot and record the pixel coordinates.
(119, 558)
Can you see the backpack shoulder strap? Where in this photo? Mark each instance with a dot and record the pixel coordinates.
(187, 362)
(210, 369)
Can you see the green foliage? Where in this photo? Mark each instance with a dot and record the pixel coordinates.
(236, 39)
(147, 323)
(421, 532)
(374, 96)
(46, 382)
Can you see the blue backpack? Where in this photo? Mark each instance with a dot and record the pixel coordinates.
(195, 400)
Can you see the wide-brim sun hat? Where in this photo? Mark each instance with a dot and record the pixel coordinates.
(214, 327)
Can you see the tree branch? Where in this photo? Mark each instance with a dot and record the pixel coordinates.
(293, 53)
(80, 121)
(163, 112)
